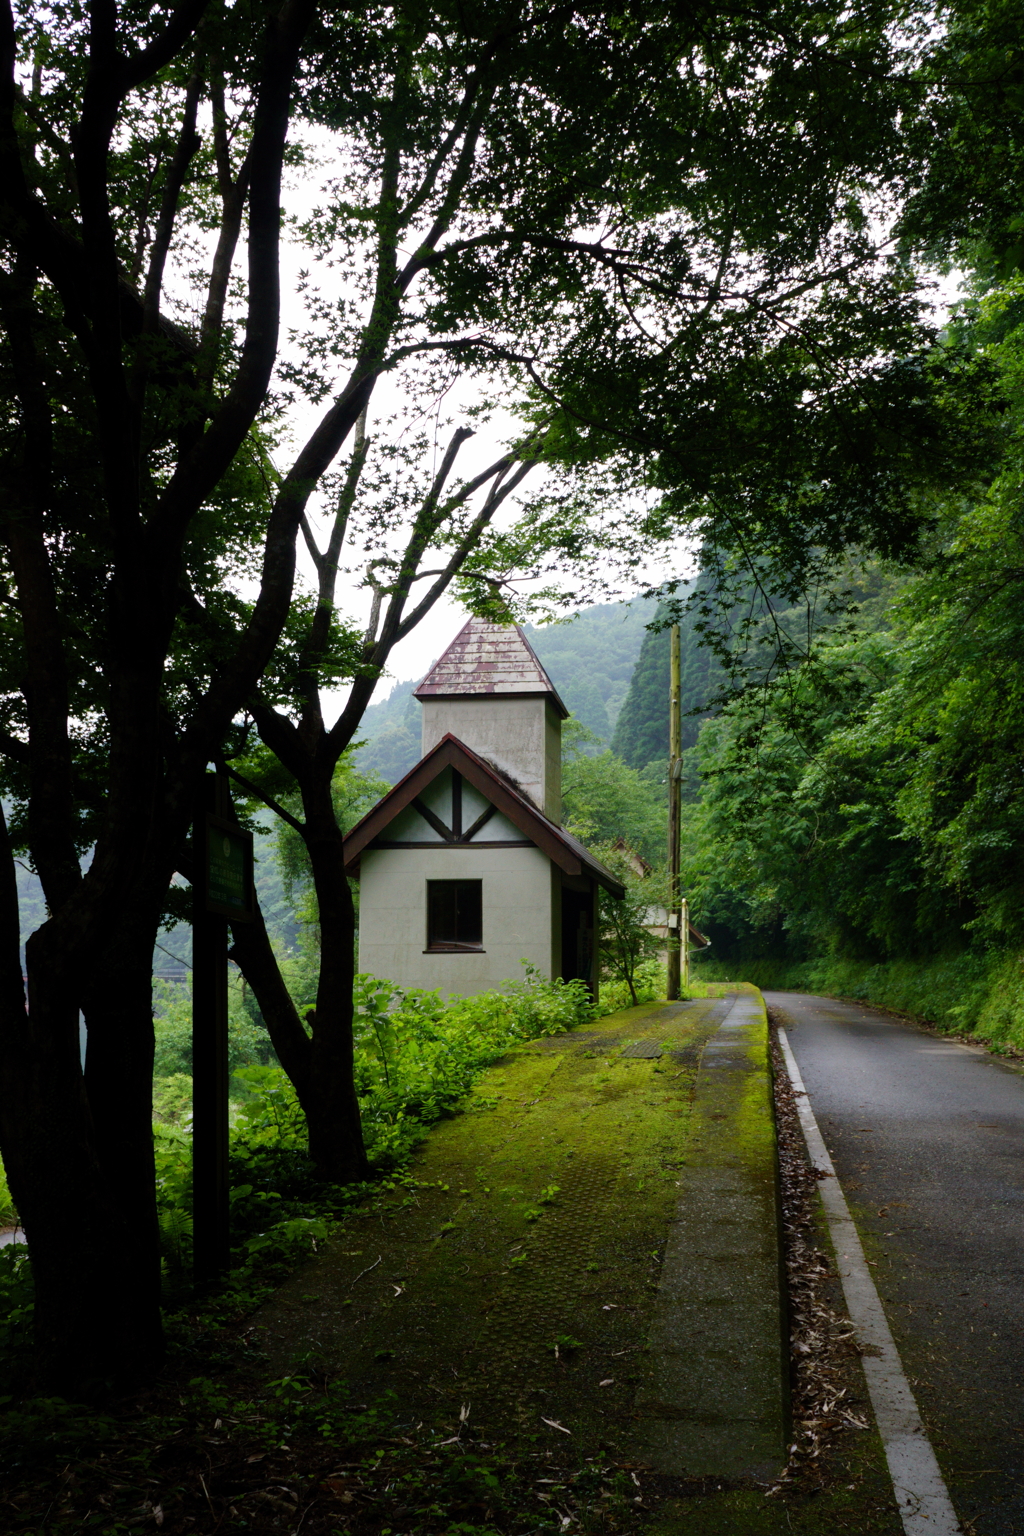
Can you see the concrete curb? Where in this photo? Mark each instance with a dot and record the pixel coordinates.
(717, 1401)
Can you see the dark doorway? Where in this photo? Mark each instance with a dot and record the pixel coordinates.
(577, 935)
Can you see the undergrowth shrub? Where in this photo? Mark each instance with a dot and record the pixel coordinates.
(979, 993)
(16, 1306)
(417, 1056)
(248, 1040)
(172, 1099)
(8, 1215)
(651, 984)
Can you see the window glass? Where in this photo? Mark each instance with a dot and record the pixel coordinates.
(454, 914)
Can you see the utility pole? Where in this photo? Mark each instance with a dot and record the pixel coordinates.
(675, 743)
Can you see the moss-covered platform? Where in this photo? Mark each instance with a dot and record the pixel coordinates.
(591, 1249)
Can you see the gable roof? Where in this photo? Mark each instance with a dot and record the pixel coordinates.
(487, 658)
(560, 846)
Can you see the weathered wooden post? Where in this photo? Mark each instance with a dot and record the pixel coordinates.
(222, 889)
(675, 741)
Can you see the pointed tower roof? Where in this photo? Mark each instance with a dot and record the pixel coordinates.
(487, 658)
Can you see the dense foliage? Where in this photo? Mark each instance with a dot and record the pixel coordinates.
(869, 805)
(604, 801)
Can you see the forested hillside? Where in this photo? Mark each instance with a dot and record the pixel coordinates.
(860, 821)
(759, 633)
(641, 730)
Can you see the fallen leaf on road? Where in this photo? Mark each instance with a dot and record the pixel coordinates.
(555, 1425)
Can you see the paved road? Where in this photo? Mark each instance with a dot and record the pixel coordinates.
(927, 1137)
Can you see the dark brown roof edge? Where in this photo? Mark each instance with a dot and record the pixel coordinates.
(561, 848)
(554, 691)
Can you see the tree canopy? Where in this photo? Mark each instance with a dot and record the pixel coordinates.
(648, 233)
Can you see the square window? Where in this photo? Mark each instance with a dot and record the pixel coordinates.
(455, 914)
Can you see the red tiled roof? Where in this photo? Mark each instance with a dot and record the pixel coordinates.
(487, 658)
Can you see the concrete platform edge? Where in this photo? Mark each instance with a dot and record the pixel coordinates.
(716, 1402)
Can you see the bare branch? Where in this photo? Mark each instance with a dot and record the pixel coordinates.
(140, 66)
(188, 144)
(498, 494)
(260, 794)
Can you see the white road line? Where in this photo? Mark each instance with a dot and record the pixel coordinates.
(924, 1503)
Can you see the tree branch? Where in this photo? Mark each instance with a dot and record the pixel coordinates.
(268, 800)
(142, 65)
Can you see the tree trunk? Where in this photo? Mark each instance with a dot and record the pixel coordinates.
(118, 1004)
(89, 1218)
(321, 1069)
(253, 953)
(332, 1107)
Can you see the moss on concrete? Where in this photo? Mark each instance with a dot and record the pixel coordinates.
(515, 1275)
(537, 1216)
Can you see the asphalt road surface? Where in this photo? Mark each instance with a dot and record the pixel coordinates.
(927, 1138)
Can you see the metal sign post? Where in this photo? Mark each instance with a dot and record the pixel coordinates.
(222, 890)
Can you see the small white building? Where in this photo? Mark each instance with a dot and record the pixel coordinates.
(464, 868)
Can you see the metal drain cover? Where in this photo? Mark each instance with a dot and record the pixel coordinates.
(647, 1050)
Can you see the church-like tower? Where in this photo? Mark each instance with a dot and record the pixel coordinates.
(490, 690)
(464, 869)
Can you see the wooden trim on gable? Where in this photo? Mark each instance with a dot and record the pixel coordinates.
(560, 847)
(449, 753)
(504, 842)
(433, 821)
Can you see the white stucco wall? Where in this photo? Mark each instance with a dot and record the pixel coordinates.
(522, 735)
(518, 921)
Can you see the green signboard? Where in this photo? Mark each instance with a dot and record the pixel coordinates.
(228, 870)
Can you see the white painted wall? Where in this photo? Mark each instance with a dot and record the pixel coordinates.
(523, 735)
(518, 921)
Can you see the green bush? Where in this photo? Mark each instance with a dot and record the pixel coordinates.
(248, 1041)
(172, 1099)
(416, 1057)
(8, 1215)
(650, 982)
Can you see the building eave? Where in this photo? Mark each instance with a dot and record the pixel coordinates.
(564, 850)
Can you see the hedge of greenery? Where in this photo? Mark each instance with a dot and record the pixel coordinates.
(980, 994)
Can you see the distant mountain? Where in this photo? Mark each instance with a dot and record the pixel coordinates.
(589, 658)
(641, 731)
